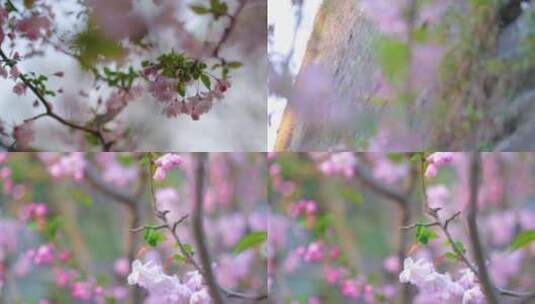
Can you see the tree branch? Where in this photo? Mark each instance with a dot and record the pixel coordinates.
(48, 108)
(171, 227)
(484, 278)
(365, 177)
(198, 228)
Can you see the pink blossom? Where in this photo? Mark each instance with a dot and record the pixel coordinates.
(44, 255)
(431, 170)
(3, 71)
(163, 89)
(61, 277)
(437, 160)
(14, 72)
(165, 163)
(121, 267)
(82, 290)
(342, 162)
(440, 158)
(34, 27)
(351, 288)
(391, 264)
(70, 165)
(163, 288)
(314, 252)
(331, 274)
(23, 134)
(19, 88)
(3, 156)
(415, 272)
(64, 256)
(473, 296)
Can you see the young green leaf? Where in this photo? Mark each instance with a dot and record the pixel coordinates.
(252, 239)
(423, 234)
(206, 81)
(200, 10)
(153, 237)
(523, 239)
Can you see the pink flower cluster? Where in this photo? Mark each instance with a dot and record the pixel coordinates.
(43, 255)
(164, 288)
(436, 161)
(34, 27)
(339, 163)
(163, 89)
(308, 207)
(165, 163)
(8, 186)
(357, 288)
(314, 252)
(441, 287)
(35, 211)
(198, 104)
(70, 165)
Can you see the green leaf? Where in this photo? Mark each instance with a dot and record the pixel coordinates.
(459, 246)
(206, 81)
(252, 239)
(10, 7)
(424, 235)
(234, 64)
(523, 239)
(153, 237)
(51, 228)
(450, 256)
(199, 9)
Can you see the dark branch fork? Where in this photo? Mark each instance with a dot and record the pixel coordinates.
(49, 112)
(480, 266)
(403, 200)
(204, 267)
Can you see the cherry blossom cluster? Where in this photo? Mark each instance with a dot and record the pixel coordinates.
(165, 163)
(436, 286)
(164, 288)
(303, 207)
(436, 161)
(169, 80)
(71, 165)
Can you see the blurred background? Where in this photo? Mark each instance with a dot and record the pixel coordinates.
(334, 239)
(65, 239)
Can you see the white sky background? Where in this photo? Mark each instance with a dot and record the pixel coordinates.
(282, 17)
(238, 123)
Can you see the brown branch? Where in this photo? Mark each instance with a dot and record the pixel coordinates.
(365, 177)
(228, 30)
(198, 228)
(48, 108)
(484, 278)
(134, 207)
(433, 212)
(171, 227)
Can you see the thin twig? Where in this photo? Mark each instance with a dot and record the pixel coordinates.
(228, 30)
